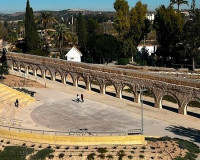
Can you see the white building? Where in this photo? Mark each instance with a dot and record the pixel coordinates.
(151, 16)
(151, 48)
(74, 55)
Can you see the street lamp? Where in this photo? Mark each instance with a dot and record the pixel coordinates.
(142, 108)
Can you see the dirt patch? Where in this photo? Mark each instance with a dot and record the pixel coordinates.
(15, 81)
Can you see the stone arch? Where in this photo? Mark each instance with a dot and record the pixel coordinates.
(15, 66)
(95, 85)
(58, 76)
(128, 92)
(167, 93)
(22, 68)
(110, 88)
(48, 74)
(184, 107)
(148, 96)
(30, 70)
(69, 79)
(39, 71)
(81, 81)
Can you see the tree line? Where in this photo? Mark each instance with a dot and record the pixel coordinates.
(100, 41)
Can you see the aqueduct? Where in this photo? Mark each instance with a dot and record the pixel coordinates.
(183, 90)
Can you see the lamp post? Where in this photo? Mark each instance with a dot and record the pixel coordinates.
(142, 108)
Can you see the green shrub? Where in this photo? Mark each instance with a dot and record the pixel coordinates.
(102, 150)
(109, 156)
(121, 154)
(38, 52)
(15, 153)
(102, 156)
(130, 157)
(42, 154)
(51, 156)
(61, 155)
(123, 61)
(91, 156)
(141, 156)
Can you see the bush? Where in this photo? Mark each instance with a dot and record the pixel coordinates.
(141, 156)
(109, 156)
(15, 153)
(123, 61)
(102, 150)
(130, 157)
(61, 155)
(121, 154)
(38, 52)
(102, 156)
(91, 156)
(42, 154)
(51, 156)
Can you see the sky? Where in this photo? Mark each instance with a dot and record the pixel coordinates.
(11, 6)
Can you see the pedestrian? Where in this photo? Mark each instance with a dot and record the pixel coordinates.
(17, 103)
(82, 98)
(78, 99)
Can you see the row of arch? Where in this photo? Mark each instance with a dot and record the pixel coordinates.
(125, 91)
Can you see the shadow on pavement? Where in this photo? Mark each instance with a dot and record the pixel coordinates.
(193, 114)
(191, 133)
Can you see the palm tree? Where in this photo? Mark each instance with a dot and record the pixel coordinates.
(178, 2)
(61, 34)
(44, 19)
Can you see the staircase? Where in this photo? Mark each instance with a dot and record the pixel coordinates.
(9, 96)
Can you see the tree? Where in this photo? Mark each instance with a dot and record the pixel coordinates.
(169, 26)
(31, 35)
(191, 36)
(139, 24)
(139, 27)
(60, 34)
(122, 24)
(178, 3)
(107, 47)
(81, 32)
(4, 66)
(46, 18)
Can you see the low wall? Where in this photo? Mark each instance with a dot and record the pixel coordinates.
(74, 140)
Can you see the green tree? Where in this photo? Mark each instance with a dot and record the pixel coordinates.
(92, 29)
(46, 18)
(140, 25)
(191, 37)
(31, 35)
(178, 3)
(61, 34)
(81, 32)
(122, 24)
(107, 47)
(169, 26)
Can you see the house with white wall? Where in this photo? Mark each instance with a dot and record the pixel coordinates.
(150, 48)
(74, 55)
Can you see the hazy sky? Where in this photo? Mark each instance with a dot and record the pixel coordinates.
(10, 6)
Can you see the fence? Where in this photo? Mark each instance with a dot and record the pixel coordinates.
(82, 132)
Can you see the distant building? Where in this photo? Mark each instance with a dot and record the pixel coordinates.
(151, 16)
(151, 48)
(74, 55)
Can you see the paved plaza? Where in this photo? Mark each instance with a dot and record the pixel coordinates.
(55, 110)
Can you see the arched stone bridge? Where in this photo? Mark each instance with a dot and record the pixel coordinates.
(182, 90)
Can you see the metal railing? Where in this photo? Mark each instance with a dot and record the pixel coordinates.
(70, 133)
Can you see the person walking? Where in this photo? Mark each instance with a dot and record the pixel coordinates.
(78, 99)
(17, 102)
(82, 100)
